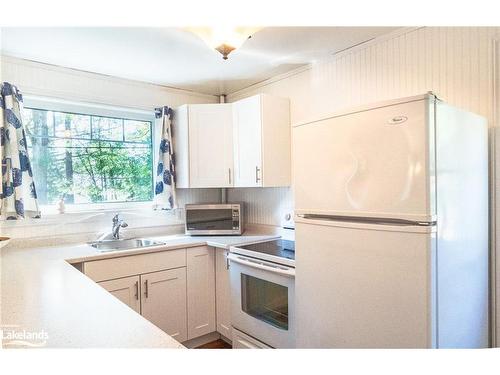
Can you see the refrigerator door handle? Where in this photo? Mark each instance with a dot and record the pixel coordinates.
(367, 220)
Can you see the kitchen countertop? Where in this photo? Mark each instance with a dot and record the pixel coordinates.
(43, 293)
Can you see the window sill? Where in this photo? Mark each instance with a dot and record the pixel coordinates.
(98, 219)
(51, 210)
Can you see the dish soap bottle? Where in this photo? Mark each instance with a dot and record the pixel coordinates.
(61, 207)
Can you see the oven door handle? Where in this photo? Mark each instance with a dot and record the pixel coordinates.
(290, 272)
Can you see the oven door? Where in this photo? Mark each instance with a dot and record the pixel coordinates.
(263, 300)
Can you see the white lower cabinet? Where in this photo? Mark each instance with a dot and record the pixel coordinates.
(223, 293)
(188, 297)
(126, 290)
(200, 291)
(243, 341)
(163, 301)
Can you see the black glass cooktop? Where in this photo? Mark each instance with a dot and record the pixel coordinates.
(279, 248)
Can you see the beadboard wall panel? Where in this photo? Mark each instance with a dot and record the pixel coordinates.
(263, 205)
(454, 62)
(40, 79)
(185, 196)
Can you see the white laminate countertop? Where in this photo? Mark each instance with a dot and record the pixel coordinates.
(43, 293)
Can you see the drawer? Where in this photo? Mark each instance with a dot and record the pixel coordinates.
(107, 269)
(243, 341)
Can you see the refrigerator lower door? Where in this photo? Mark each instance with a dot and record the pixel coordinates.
(365, 285)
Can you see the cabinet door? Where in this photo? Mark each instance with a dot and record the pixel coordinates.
(200, 291)
(243, 341)
(211, 145)
(164, 301)
(126, 290)
(247, 129)
(222, 293)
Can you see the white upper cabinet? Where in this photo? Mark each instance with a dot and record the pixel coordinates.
(203, 142)
(240, 144)
(262, 153)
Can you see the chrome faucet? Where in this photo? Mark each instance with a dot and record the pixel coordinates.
(117, 224)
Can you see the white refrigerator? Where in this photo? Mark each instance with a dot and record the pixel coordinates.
(392, 227)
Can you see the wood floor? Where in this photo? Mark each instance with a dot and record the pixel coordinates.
(217, 344)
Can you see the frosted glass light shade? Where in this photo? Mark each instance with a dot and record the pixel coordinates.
(224, 39)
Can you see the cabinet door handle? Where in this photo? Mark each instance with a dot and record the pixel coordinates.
(146, 292)
(229, 169)
(257, 170)
(137, 290)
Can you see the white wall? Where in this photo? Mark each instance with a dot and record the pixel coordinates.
(45, 80)
(456, 63)
(263, 205)
(53, 81)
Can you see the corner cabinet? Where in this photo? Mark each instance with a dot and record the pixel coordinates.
(240, 144)
(203, 145)
(184, 292)
(262, 155)
(152, 284)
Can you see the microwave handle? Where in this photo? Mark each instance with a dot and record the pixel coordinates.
(290, 272)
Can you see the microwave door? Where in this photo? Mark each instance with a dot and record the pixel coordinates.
(214, 219)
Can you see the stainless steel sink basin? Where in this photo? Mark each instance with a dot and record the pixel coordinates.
(117, 245)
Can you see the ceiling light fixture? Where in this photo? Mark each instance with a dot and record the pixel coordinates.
(224, 39)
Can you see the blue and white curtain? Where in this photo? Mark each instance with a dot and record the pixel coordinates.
(165, 171)
(17, 194)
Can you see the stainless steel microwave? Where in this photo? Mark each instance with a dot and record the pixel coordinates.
(214, 219)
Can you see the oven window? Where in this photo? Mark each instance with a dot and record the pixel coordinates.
(209, 219)
(265, 301)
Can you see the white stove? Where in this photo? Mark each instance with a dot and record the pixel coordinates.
(263, 291)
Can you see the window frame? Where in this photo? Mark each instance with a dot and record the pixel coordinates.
(94, 109)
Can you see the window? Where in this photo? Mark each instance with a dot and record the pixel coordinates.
(88, 158)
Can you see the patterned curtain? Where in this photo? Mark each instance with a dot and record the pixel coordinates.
(165, 172)
(18, 194)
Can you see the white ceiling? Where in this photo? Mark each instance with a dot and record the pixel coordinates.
(177, 58)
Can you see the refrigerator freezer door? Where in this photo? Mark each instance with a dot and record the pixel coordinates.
(365, 286)
(374, 163)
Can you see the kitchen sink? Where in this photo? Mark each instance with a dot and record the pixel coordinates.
(117, 245)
